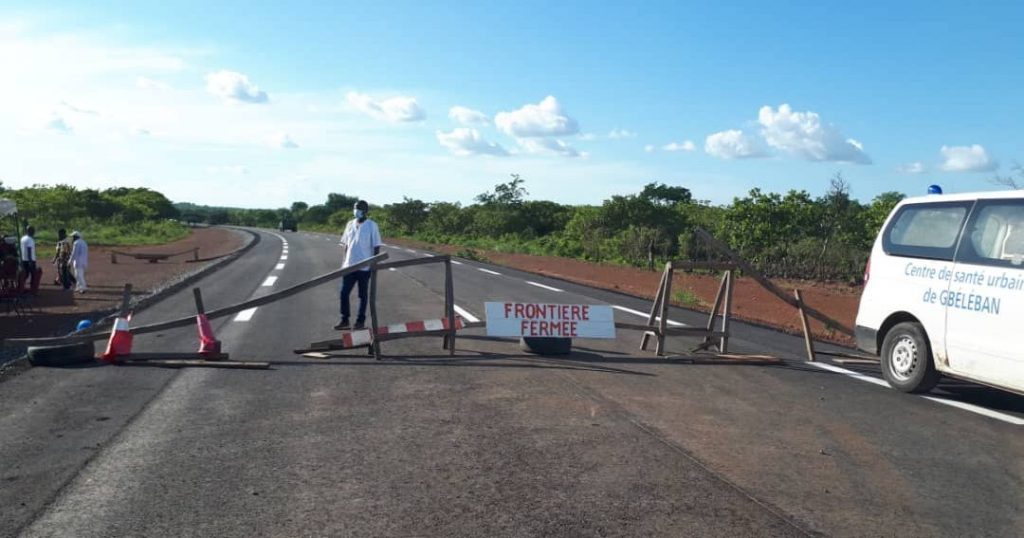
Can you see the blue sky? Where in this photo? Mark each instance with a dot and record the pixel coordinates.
(257, 105)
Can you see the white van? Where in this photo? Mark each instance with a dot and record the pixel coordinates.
(944, 292)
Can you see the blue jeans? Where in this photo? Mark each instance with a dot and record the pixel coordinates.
(362, 278)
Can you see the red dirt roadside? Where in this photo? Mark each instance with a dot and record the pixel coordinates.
(59, 308)
(751, 302)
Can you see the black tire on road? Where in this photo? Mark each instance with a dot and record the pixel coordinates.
(65, 355)
(907, 359)
(546, 346)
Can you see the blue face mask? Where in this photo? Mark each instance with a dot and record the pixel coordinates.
(359, 213)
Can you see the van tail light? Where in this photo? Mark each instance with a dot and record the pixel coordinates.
(867, 271)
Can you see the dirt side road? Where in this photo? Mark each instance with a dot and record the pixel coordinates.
(56, 309)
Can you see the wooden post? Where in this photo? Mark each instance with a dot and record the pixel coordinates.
(723, 346)
(198, 294)
(195, 254)
(449, 306)
(666, 298)
(655, 307)
(126, 299)
(374, 344)
(113, 257)
(714, 313)
(808, 343)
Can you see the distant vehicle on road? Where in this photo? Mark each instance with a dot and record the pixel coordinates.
(944, 292)
(288, 223)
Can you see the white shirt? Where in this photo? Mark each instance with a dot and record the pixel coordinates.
(362, 239)
(26, 244)
(80, 253)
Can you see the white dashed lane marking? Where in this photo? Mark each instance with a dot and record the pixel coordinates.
(488, 271)
(465, 314)
(270, 281)
(643, 315)
(245, 315)
(279, 266)
(539, 285)
(456, 262)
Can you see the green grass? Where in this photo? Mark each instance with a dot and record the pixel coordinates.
(687, 297)
(118, 234)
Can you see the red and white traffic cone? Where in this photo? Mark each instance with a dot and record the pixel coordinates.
(120, 342)
(208, 344)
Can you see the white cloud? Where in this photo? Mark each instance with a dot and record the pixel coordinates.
(142, 132)
(967, 159)
(543, 119)
(146, 83)
(616, 134)
(549, 146)
(57, 123)
(732, 144)
(284, 140)
(468, 116)
(649, 148)
(465, 141)
(803, 134)
(234, 87)
(395, 109)
(586, 137)
(686, 145)
(916, 167)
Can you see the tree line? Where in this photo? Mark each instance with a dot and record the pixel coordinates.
(790, 235)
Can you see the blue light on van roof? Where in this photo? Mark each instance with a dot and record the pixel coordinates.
(934, 189)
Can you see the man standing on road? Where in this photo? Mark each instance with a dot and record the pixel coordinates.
(79, 260)
(360, 240)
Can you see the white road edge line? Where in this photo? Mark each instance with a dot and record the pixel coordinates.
(488, 271)
(1016, 421)
(644, 315)
(456, 262)
(410, 251)
(978, 409)
(245, 315)
(539, 285)
(270, 281)
(465, 314)
(851, 373)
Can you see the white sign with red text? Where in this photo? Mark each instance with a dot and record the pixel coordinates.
(550, 320)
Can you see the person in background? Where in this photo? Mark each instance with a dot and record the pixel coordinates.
(79, 260)
(360, 240)
(62, 260)
(28, 252)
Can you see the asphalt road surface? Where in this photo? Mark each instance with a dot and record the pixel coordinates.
(606, 442)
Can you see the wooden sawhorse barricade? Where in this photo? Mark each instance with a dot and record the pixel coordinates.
(657, 323)
(376, 333)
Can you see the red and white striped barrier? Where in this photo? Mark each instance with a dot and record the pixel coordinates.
(362, 337)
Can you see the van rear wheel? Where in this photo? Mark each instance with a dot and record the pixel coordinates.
(907, 359)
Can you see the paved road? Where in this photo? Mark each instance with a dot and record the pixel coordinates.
(607, 442)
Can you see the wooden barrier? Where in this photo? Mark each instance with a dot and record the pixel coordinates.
(219, 313)
(750, 271)
(657, 322)
(448, 334)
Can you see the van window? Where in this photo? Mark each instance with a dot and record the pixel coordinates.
(925, 230)
(995, 234)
